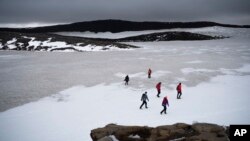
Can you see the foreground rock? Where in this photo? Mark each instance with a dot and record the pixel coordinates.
(176, 132)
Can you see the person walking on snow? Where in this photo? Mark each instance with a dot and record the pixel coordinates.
(179, 93)
(164, 104)
(158, 87)
(126, 80)
(149, 73)
(144, 99)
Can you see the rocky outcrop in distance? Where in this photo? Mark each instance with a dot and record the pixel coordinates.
(175, 132)
(53, 42)
(165, 36)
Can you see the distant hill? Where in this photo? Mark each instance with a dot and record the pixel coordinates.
(163, 36)
(52, 42)
(116, 26)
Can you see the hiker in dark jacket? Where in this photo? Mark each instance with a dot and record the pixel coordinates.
(149, 73)
(164, 104)
(179, 92)
(144, 99)
(126, 80)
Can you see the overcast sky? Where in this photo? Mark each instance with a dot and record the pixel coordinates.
(68, 11)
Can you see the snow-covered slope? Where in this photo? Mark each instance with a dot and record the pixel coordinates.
(71, 114)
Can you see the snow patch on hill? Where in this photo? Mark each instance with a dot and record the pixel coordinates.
(11, 43)
(49, 45)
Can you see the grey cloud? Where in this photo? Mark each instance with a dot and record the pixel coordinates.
(65, 11)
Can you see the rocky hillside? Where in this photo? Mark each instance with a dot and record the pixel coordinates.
(165, 36)
(176, 132)
(52, 42)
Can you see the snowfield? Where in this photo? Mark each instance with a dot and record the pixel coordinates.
(63, 96)
(74, 112)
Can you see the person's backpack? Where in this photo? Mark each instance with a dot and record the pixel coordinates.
(144, 97)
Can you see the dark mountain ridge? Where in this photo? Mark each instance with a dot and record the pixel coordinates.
(116, 26)
(163, 36)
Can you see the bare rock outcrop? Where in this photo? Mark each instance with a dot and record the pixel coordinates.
(176, 132)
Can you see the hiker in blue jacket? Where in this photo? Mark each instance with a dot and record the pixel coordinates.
(144, 99)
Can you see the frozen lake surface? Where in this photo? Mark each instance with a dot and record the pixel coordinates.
(70, 84)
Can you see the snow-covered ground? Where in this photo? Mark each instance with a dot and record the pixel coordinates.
(72, 93)
(108, 35)
(74, 112)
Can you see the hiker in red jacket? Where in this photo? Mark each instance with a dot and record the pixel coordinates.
(158, 87)
(149, 73)
(179, 93)
(164, 104)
